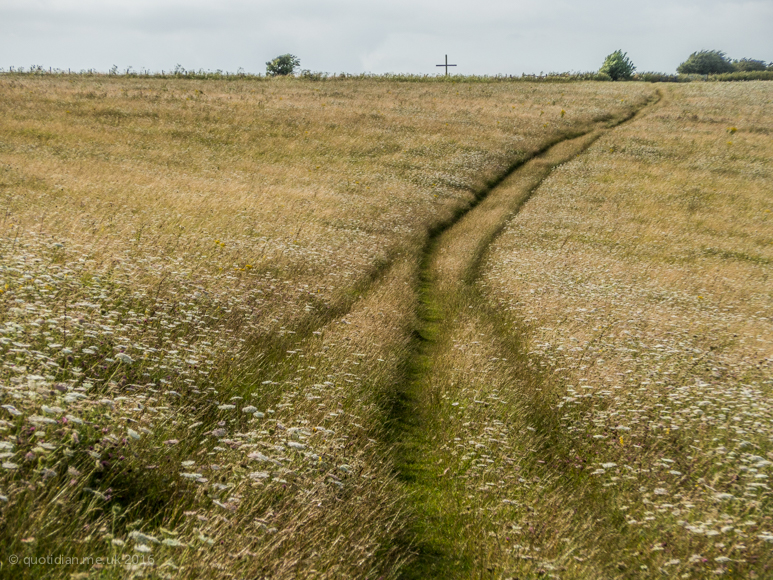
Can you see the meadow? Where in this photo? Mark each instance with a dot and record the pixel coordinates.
(241, 336)
(639, 274)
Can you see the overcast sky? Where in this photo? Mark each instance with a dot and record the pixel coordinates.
(410, 36)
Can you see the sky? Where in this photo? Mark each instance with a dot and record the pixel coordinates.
(399, 36)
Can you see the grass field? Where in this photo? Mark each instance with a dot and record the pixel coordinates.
(248, 329)
(638, 274)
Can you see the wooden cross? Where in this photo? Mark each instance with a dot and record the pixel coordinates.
(446, 65)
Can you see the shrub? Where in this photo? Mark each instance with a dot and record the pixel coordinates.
(752, 75)
(748, 65)
(657, 77)
(706, 62)
(282, 65)
(617, 66)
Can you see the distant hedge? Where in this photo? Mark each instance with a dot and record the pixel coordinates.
(656, 77)
(757, 75)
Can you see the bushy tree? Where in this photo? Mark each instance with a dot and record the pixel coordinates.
(617, 66)
(706, 62)
(282, 65)
(749, 64)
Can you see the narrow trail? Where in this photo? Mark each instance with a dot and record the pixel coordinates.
(447, 536)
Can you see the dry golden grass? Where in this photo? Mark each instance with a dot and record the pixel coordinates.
(640, 275)
(208, 297)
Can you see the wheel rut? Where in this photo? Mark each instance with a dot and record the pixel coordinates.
(449, 302)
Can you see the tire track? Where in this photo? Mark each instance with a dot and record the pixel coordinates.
(449, 266)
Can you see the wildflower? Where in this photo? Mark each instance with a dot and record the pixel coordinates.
(205, 539)
(174, 543)
(124, 358)
(672, 562)
(12, 410)
(133, 434)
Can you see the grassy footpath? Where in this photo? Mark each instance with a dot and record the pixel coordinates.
(452, 522)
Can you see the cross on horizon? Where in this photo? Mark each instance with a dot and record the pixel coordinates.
(446, 65)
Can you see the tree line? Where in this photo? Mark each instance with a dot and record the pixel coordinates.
(616, 66)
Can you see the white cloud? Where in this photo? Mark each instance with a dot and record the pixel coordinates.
(484, 37)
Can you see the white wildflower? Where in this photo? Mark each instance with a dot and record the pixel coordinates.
(174, 543)
(143, 538)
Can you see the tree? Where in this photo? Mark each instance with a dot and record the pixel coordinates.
(748, 64)
(617, 66)
(706, 62)
(282, 65)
